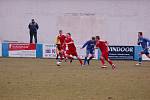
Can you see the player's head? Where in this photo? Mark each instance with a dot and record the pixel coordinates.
(140, 34)
(68, 35)
(93, 38)
(97, 38)
(60, 32)
(32, 20)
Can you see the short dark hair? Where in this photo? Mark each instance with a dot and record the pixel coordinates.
(98, 37)
(93, 38)
(60, 31)
(69, 34)
(140, 33)
(32, 20)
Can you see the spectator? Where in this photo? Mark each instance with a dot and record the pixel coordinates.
(33, 27)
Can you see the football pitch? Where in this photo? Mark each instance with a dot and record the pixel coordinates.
(41, 79)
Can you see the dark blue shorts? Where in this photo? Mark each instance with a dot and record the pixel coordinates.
(92, 52)
(146, 51)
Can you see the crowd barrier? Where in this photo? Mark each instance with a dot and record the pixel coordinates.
(49, 51)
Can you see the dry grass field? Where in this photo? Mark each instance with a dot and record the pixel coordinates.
(41, 79)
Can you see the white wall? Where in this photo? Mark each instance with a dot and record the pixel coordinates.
(117, 21)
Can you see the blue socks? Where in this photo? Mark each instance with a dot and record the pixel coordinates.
(85, 60)
(89, 60)
(140, 59)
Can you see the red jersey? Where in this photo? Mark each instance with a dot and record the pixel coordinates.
(102, 45)
(70, 44)
(62, 39)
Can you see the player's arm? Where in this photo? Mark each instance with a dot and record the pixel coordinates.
(37, 26)
(138, 42)
(106, 43)
(64, 41)
(84, 45)
(148, 41)
(96, 45)
(56, 40)
(70, 42)
(29, 26)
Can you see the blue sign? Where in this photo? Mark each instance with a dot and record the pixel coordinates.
(121, 52)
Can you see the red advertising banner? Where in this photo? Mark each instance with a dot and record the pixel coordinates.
(22, 50)
(21, 46)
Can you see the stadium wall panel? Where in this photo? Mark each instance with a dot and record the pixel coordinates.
(39, 51)
(137, 51)
(50, 51)
(5, 50)
(116, 21)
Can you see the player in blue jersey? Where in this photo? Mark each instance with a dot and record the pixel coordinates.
(90, 50)
(145, 43)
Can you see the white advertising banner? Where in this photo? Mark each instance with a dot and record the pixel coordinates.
(22, 50)
(0, 49)
(49, 51)
(144, 57)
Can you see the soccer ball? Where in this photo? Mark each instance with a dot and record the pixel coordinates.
(58, 63)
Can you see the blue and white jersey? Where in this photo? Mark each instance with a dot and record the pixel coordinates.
(89, 45)
(144, 42)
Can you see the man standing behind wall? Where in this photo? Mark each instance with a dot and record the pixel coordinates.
(33, 27)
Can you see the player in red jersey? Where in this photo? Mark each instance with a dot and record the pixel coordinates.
(103, 46)
(60, 43)
(71, 49)
(62, 37)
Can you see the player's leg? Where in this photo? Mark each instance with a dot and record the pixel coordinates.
(35, 37)
(80, 60)
(147, 53)
(58, 51)
(57, 57)
(61, 56)
(63, 51)
(91, 57)
(64, 55)
(75, 54)
(103, 62)
(108, 60)
(68, 55)
(31, 37)
(87, 54)
(140, 58)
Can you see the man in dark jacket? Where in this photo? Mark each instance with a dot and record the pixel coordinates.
(33, 27)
